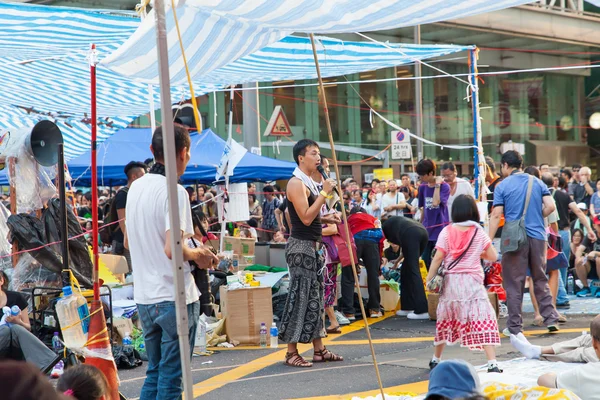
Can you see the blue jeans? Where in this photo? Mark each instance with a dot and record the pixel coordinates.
(163, 378)
(562, 297)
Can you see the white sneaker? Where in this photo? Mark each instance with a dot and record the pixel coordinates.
(404, 313)
(341, 319)
(376, 314)
(506, 332)
(412, 315)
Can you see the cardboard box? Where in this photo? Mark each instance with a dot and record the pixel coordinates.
(116, 264)
(123, 326)
(433, 300)
(244, 310)
(240, 246)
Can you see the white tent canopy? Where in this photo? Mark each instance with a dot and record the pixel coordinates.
(218, 32)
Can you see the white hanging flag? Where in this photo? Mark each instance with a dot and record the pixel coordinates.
(232, 155)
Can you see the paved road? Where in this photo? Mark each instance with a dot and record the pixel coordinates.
(403, 349)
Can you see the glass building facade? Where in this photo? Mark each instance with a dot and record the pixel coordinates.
(518, 107)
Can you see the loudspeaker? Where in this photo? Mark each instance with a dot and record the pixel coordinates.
(43, 142)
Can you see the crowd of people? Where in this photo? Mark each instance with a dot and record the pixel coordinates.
(543, 223)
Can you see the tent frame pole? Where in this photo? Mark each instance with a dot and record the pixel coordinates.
(93, 59)
(478, 155)
(344, 216)
(171, 172)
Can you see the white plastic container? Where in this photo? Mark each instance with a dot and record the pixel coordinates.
(72, 309)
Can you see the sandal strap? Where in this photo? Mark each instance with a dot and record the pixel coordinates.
(332, 356)
(298, 360)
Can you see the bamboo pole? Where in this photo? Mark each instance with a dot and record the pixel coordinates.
(344, 216)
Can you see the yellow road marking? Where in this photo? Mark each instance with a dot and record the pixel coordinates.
(335, 342)
(416, 387)
(221, 380)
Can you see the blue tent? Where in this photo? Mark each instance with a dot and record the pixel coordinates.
(133, 144)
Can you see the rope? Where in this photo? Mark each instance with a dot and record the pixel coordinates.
(187, 71)
(413, 58)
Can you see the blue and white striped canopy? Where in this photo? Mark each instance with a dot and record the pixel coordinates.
(44, 72)
(217, 32)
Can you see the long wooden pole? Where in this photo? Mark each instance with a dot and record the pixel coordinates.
(344, 216)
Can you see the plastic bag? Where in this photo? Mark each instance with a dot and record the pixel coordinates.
(5, 246)
(79, 257)
(126, 358)
(29, 273)
(31, 233)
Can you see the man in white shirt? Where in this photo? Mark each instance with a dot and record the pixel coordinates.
(584, 381)
(458, 186)
(148, 233)
(393, 202)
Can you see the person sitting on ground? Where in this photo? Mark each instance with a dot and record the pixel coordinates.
(249, 230)
(576, 240)
(576, 224)
(464, 312)
(16, 340)
(279, 237)
(584, 381)
(578, 350)
(587, 262)
(83, 382)
(454, 379)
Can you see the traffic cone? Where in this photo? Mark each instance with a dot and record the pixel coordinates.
(98, 340)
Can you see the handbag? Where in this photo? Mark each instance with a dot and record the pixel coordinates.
(555, 241)
(329, 243)
(342, 247)
(435, 285)
(514, 234)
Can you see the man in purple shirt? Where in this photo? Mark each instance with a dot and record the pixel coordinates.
(433, 202)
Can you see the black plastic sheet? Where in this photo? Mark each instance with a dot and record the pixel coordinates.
(33, 233)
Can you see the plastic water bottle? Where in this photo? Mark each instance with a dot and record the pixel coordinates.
(127, 341)
(15, 310)
(73, 313)
(263, 335)
(201, 336)
(57, 346)
(570, 285)
(274, 336)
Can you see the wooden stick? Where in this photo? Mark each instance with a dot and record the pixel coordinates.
(344, 216)
(13, 206)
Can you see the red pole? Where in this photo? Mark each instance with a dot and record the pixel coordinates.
(93, 62)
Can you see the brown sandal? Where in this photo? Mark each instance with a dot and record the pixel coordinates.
(296, 360)
(333, 331)
(326, 356)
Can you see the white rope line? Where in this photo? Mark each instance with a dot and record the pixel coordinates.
(208, 201)
(507, 72)
(390, 123)
(406, 55)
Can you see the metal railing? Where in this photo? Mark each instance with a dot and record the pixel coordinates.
(568, 6)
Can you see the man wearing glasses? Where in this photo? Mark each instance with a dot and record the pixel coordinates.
(458, 186)
(583, 192)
